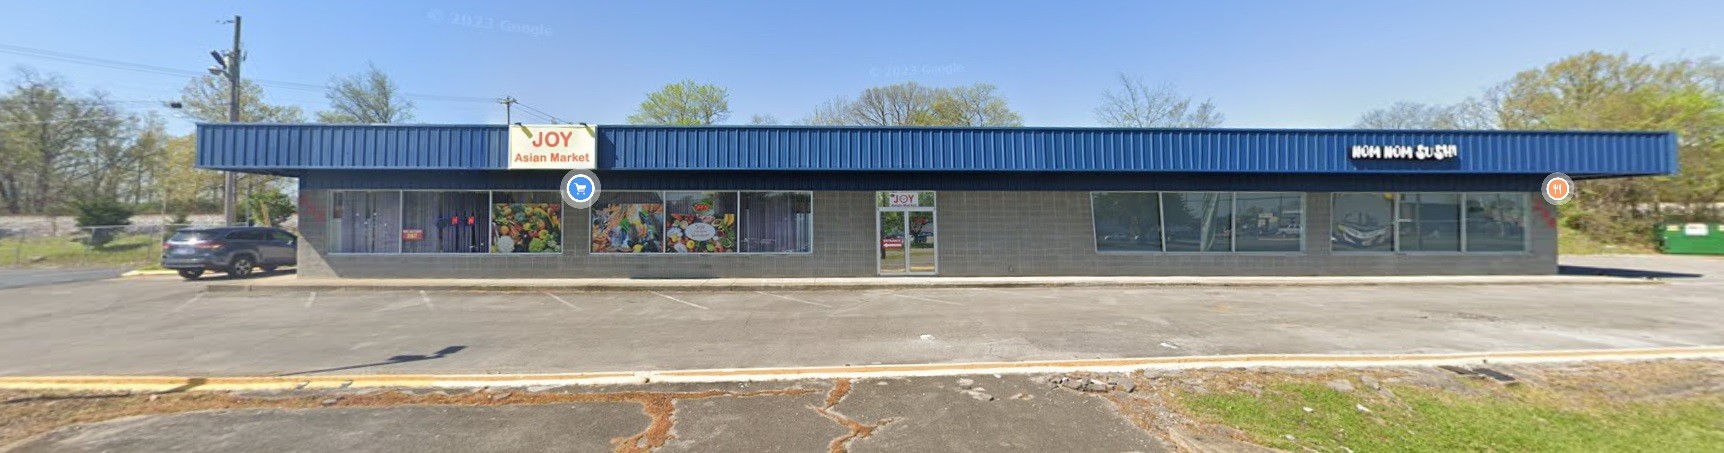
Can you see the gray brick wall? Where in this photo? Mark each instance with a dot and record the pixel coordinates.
(1051, 233)
(980, 234)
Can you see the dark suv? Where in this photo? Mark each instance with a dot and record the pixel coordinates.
(234, 250)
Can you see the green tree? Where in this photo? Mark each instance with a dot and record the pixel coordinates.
(1137, 104)
(1598, 91)
(684, 103)
(266, 208)
(975, 105)
(370, 97)
(43, 129)
(914, 104)
(179, 184)
(57, 145)
(102, 212)
(206, 99)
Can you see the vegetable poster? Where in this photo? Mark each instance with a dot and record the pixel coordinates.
(527, 228)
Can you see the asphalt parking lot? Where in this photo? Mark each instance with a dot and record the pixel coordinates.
(166, 326)
(1010, 413)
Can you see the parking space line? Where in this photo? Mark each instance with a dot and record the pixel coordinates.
(559, 299)
(691, 304)
(929, 300)
(310, 299)
(423, 297)
(991, 290)
(188, 302)
(794, 299)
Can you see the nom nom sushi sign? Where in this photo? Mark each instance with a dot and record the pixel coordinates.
(1405, 152)
(552, 147)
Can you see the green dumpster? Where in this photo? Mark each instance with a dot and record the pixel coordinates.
(1692, 238)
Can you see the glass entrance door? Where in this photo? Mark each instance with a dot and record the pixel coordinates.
(920, 244)
(908, 243)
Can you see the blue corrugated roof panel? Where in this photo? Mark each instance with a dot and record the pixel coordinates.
(302, 147)
(293, 147)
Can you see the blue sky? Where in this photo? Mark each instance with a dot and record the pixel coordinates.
(1266, 64)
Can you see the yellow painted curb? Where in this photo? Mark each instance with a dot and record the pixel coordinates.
(232, 383)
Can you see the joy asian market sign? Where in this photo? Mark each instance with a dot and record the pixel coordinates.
(552, 147)
(1405, 152)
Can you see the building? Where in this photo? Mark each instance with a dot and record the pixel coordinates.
(742, 201)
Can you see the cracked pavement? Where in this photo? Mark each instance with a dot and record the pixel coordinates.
(975, 413)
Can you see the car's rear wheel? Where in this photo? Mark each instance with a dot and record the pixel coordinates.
(191, 274)
(241, 267)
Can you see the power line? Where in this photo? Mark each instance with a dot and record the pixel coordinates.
(540, 113)
(162, 70)
(541, 116)
(67, 120)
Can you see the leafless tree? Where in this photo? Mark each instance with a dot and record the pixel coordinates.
(1137, 104)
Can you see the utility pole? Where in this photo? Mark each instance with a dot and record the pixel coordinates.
(230, 68)
(508, 109)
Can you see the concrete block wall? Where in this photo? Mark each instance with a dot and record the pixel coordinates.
(980, 234)
(1052, 233)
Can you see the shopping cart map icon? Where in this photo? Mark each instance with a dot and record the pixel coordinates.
(581, 188)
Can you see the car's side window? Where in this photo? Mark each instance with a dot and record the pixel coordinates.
(245, 236)
(282, 236)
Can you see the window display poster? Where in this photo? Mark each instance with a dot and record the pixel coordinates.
(527, 227)
(700, 222)
(627, 227)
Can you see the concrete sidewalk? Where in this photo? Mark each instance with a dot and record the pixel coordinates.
(293, 283)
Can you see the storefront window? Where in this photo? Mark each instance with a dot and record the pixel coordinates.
(365, 221)
(1127, 221)
(1198, 221)
(777, 222)
(628, 222)
(1430, 222)
(1270, 222)
(700, 222)
(445, 222)
(526, 222)
(1362, 222)
(1496, 222)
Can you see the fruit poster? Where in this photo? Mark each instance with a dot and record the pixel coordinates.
(527, 228)
(701, 222)
(628, 228)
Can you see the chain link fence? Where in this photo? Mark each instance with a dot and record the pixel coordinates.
(98, 246)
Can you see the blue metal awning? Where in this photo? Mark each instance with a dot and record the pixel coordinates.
(299, 148)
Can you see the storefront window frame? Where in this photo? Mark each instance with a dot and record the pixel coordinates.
(740, 235)
(401, 194)
(563, 236)
(1394, 222)
(328, 229)
(1526, 222)
(813, 234)
(1160, 228)
(1460, 222)
(1233, 226)
(1304, 223)
(402, 224)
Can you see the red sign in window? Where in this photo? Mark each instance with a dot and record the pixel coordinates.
(413, 235)
(891, 243)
